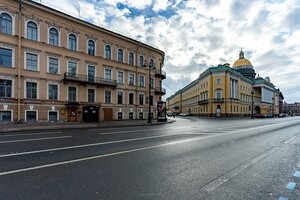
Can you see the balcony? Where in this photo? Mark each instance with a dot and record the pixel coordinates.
(160, 73)
(218, 100)
(160, 91)
(68, 77)
(202, 102)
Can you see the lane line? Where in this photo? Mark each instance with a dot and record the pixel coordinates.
(297, 174)
(231, 174)
(283, 198)
(95, 157)
(289, 140)
(291, 186)
(35, 139)
(25, 134)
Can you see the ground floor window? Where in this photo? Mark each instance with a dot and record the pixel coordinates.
(131, 115)
(120, 115)
(141, 115)
(5, 116)
(53, 116)
(31, 116)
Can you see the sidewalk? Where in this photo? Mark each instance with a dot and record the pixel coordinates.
(63, 125)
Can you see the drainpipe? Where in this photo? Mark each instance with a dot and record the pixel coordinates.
(19, 59)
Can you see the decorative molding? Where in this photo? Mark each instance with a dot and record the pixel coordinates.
(91, 37)
(52, 54)
(9, 45)
(72, 58)
(32, 50)
(54, 24)
(121, 46)
(91, 62)
(33, 18)
(108, 42)
(72, 30)
(10, 11)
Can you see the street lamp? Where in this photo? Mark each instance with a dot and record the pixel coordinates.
(252, 103)
(150, 66)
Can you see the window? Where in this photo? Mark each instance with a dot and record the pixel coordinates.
(5, 88)
(131, 79)
(53, 36)
(120, 97)
(91, 73)
(141, 61)
(107, 74)
(218, 81)
(120, 55)
(31, 116)
(91, 95)
(32, 31)
(52, 116)
(53, 65)
(107, 97)
(152, 83)
(32, 61)
(72, 68)
(72, 94)
(120, 77)
(6, 57)
(31, 90)
(131, 58)
(120, 115)
(5, 116)
(91, 47)
(130, 115)
(142, 81)
(5, 23)
(218, 94)
(141, 98)
(52, 92)
(131, 98)
(72, 42)
(141, 115)
(151, 63)
(107, 52)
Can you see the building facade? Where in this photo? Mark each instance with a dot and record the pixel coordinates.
(225, 91)
(291, 108)
(54, 67)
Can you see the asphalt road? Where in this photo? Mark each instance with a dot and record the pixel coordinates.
(190, 159)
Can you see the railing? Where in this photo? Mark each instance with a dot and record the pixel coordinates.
(160, 90)
(218, 100)
(161, 73)
(203, 102)
(89, 80)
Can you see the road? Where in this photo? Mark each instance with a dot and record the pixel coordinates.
(190, 159)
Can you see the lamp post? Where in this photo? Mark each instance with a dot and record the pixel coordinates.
(150, 66)
(252, 103)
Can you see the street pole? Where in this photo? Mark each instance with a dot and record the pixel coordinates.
(149, 105)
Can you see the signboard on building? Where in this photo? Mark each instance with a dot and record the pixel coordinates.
(161, 111)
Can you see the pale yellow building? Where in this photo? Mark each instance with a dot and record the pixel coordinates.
(225, 91)
(54, 67)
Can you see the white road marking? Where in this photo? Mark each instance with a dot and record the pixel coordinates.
(289, 140)
(35, 139)
(25, 134)
(231, 174)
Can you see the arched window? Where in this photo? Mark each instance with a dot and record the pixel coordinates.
(32, 31)
(72, 42)
(107, 52)
(151, 63)
(131, 58)
(5, 23)
(53, 36)
(141, 61)
(120, 55)
(91, 47)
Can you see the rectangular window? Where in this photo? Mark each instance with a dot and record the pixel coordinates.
(91, 73)
(31, 90)
(53, 65)
(152, 83)
(107, 97)
(91, 95)
(72, 94)
(107, 74)
(130, 115)
(53, 116)
(5, 57)
(131, 98)
(131, 79)
(142, 81)
(32, 61)
(72, 68)
(5, 116)
(31, 116)
(218, 94)
(5, 88)
(120, 97)
(120, 77)
(218, 81)
(120, 115)
(141, 115)
(141, 99)
(53, 92)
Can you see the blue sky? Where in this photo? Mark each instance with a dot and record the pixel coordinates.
(196, 34)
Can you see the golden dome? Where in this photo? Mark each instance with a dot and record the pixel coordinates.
(242, 62)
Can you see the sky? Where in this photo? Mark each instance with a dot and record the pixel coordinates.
(197, 34)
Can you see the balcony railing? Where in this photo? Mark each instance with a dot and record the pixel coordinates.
(160, 73)
(203, 102)
(160, 91)
(218, 100)
(89, 80)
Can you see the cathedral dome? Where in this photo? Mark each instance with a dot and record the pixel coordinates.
(242, 62)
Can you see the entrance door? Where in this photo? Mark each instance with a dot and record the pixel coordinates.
(108, 114)
(90, 114)
(72, 114)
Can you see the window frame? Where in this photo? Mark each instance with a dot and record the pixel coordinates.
(58, 91)
(12, 87)
(37, 31)
(122, 55)
(48, 64)
(131, 93)
(58, 36)
(110, 96)
(37, 61)
(143, 85)
(129, 81)
(70, 45)
(71, 61)
(11, 115)
(129, 58)
(12, 57)
(12, 23)
(143, 61)
(122, 77)
(57, 117)
(87, 50)
(106, 56)
(122, 102)
(76, 94)
(37, 88)
(88, 99)
(36, 117)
